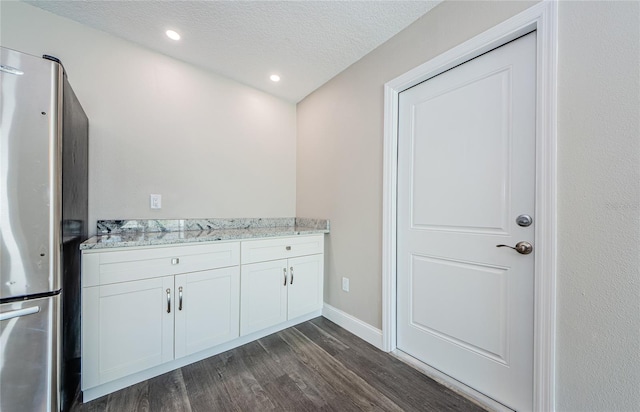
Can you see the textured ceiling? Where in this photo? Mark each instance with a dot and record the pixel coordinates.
(305, 42)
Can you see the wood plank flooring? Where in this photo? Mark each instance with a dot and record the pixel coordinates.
(314, 366)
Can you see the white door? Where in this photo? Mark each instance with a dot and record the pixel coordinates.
(207, 309)
(135, 327)
(263, 295)
(306, 277)
(466, 159)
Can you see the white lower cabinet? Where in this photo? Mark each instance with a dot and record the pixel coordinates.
(278, 290)
(207, 309)
(133, 329)
(145, 307)
(144, 323)
(306, 281)
(149, 310)
(264, 295)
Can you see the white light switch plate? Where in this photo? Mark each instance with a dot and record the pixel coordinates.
(155, 201)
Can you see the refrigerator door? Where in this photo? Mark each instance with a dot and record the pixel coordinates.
(30, 173)
(29, 364)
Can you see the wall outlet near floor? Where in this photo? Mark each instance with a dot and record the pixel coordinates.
(155, 201)
(345, 284)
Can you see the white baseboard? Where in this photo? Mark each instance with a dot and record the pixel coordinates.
(354, 325)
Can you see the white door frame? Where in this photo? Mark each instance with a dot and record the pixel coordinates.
(541, 17)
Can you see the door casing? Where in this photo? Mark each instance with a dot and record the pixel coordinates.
(541, 17)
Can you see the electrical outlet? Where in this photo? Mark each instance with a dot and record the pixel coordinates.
(345, 284)
(155, 201)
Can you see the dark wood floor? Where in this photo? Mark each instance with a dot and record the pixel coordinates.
(313, 366)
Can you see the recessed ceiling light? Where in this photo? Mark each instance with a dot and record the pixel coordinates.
(172, 35)
(275, 78)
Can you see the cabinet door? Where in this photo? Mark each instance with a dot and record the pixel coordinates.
(207, 309)
(135, 326)
(264, 295)
(306, 277)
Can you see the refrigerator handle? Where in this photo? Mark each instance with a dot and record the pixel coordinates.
(20, 312)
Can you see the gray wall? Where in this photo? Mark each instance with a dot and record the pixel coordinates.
(339, 176)
(210, 146)
(340, 143)
(598, 211)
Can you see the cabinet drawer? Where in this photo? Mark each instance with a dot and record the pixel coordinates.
(281, 248)
(127, 265)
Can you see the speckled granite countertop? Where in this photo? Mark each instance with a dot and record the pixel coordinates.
(134, 233)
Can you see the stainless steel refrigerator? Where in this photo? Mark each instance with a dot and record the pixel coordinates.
(43, 219)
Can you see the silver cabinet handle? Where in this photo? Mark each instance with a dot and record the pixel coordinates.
(288, 248)
(284, 270)
(291, 271)
(180, 298)
(168, 300)
(175, 261)
(524, 248)
(20, 312)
